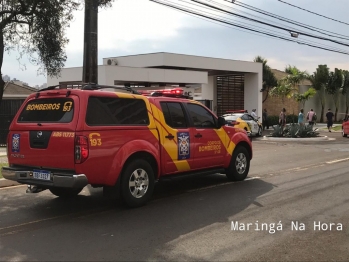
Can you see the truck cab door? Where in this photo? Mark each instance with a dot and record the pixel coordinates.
(209, 148)
(176, 139)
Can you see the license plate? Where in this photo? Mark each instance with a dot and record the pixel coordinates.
(42, 174)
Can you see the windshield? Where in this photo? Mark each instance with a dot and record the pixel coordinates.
(56, 110)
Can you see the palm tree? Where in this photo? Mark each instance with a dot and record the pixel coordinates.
(295, 76)
(282, 90)
(302, 98)
(269, 79)
(345, 89)
(319, 80)
(335, 83)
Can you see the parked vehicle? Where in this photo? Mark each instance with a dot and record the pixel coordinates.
(241, 119)
(65, 139)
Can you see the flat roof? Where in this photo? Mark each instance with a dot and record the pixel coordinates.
(214, 66)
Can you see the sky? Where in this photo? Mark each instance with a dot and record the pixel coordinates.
(132, 27)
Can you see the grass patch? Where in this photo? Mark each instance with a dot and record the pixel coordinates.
(337, 128)
(1, 165)
(334, 128)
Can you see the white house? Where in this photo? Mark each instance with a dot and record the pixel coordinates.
(221, 84)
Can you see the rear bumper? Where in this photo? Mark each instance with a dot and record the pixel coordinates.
(57, 179)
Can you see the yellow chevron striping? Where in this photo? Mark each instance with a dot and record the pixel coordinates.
(225, 139)
(182, 165)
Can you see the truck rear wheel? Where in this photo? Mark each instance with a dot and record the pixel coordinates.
(239, 164)
(137, 183)
(65, 192)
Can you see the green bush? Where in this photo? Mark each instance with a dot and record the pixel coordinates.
(294, 130)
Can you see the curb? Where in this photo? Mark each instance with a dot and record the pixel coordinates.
(6, 183)
(309, 139)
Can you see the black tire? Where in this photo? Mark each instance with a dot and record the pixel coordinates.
(65, 192)
(344, 134)
(131, 189)
(239, 164)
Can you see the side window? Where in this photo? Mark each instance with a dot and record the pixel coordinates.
(245, 117)
(201, 116)
(174, 115)
(116, 111)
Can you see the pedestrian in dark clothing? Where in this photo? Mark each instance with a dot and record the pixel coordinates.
(329, 116)
(265, 119)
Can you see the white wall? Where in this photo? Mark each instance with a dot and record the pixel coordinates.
(315, 104)
(252, 94)
(207, 90)
(186, 61)
(107, 75)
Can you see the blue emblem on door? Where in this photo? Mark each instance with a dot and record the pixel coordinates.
(15, 143)
(183, 145)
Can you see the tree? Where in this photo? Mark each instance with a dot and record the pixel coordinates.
(269, 79)
(345, 89)
(302, 98)
(37, 28)
(295, 76)
(283, 90)
(335, 82)
(319, 80)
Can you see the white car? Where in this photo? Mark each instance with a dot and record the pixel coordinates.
(245, 121)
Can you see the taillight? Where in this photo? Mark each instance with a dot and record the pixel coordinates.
(81, 149)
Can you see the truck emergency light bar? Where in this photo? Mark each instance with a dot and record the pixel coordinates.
(174, 92)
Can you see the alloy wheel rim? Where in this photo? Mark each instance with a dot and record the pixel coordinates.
(241, 163)
(138, 183)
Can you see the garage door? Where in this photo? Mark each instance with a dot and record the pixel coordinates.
(230, 93)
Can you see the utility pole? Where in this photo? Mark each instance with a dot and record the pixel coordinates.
(90, 66)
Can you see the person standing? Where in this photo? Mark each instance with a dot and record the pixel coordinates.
(265, 119)
(300, 117)
(329, 116)
(310, 117)
(282, 117)
(253, 114)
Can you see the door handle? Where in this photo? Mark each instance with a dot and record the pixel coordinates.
(169, 136)
(198, 135)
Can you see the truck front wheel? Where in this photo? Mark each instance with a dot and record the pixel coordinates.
(137, 183)
(239, 164)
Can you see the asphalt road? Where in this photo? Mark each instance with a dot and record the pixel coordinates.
(191, 219)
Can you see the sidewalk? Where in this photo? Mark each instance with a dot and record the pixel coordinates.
(3, 151)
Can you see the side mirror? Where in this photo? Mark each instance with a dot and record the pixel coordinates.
(221, 122)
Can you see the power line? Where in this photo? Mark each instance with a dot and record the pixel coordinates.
(271, 25)
(313, 12)
(247, 28)
(313, 28)
(251, 26)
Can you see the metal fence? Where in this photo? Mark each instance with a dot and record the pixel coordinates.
(8, 110)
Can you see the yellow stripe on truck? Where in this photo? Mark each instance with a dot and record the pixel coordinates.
(227, 143)
(182, 165)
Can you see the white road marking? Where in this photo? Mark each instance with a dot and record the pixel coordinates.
(337, 160)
